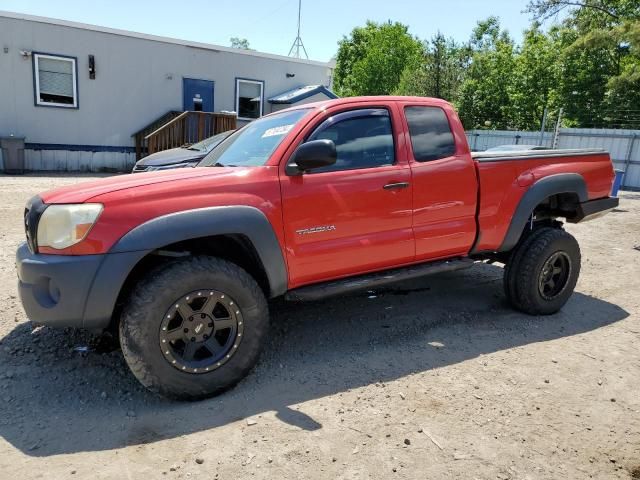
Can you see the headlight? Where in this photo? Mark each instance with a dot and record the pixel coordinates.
(61, 226)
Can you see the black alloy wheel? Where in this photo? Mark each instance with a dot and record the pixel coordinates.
(201, 331)
(554, 275)
(542, 271)
(193, 327)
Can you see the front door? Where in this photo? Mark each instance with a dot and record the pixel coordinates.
(354, 216)
(197, 95)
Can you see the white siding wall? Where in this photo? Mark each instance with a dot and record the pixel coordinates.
(138, 79)
(78, 161)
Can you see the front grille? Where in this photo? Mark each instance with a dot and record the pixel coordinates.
(32, 213)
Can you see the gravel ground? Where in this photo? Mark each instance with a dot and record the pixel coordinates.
(432, 379)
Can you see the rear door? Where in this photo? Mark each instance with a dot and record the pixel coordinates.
(354, 216)
(445, 186)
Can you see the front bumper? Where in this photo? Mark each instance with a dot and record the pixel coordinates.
(54, 288)
(594, 209)
(72, 290)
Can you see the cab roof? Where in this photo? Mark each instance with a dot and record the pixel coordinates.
(369, 99)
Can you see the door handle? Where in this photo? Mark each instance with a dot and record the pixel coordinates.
(391, 186)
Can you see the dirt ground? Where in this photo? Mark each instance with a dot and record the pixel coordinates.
(436, 378)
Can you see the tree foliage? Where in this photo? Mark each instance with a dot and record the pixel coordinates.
(588, 64)
(241, 43)
(604, 10)
(439, 74)
(598, 81)
(532, 82)
(484, 94)
(371, 60)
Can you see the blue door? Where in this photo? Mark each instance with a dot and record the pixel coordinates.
(197, 95)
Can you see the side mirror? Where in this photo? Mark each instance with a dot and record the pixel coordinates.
(313, 154)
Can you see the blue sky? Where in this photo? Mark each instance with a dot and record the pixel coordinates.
(270, 25)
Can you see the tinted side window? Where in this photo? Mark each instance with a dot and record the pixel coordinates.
(431, 137)
(363, 139)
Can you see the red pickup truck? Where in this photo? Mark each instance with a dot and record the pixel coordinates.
(305, 203)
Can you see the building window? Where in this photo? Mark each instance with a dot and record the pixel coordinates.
(55, 81)
(249, 98)
(431, 137)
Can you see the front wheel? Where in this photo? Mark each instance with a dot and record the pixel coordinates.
(194, 328)
(544, 273)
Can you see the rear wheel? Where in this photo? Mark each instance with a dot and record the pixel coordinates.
(194, 328)
(543, 272)
(510, 277)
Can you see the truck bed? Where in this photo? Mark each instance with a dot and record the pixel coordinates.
(529, 154)
(504, 177)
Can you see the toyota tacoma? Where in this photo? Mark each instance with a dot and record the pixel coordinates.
(305, 203)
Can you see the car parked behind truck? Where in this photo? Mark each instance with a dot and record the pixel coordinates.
(305, 203)
(181, 157)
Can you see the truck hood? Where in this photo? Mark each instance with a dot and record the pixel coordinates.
(85, 191)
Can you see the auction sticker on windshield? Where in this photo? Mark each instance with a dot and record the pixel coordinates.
(281, 130)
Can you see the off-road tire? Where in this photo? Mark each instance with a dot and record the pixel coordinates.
(509, 279)
(145, 310)
(526, 271)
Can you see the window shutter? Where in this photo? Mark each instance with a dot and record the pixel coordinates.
(55, 76)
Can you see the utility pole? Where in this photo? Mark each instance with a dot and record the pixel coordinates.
(297, 43)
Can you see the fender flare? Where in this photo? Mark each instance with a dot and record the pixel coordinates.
(537, 192)
(119, 262)
(204, 222)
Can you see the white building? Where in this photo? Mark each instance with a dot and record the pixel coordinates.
(78, 93)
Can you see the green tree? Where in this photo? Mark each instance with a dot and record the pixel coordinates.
(598, 11)
(582, 79)
(371, 60)
(241, 43)
(598, 81)
(533, 79)
(440, 73)
(484, 99)
(621, 45)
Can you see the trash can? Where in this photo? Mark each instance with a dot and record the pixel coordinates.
(616, 183)
(12, 154)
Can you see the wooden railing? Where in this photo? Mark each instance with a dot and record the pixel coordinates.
(141, 144)
(188, 128)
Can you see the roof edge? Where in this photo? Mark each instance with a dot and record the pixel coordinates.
(155, 38)
(309, 93)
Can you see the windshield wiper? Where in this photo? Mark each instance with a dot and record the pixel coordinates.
(218, 164)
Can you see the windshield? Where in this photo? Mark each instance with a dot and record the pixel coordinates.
(209, 143)
(253, 145)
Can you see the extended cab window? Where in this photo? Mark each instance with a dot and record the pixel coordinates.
(363, 139)
(431, 136)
